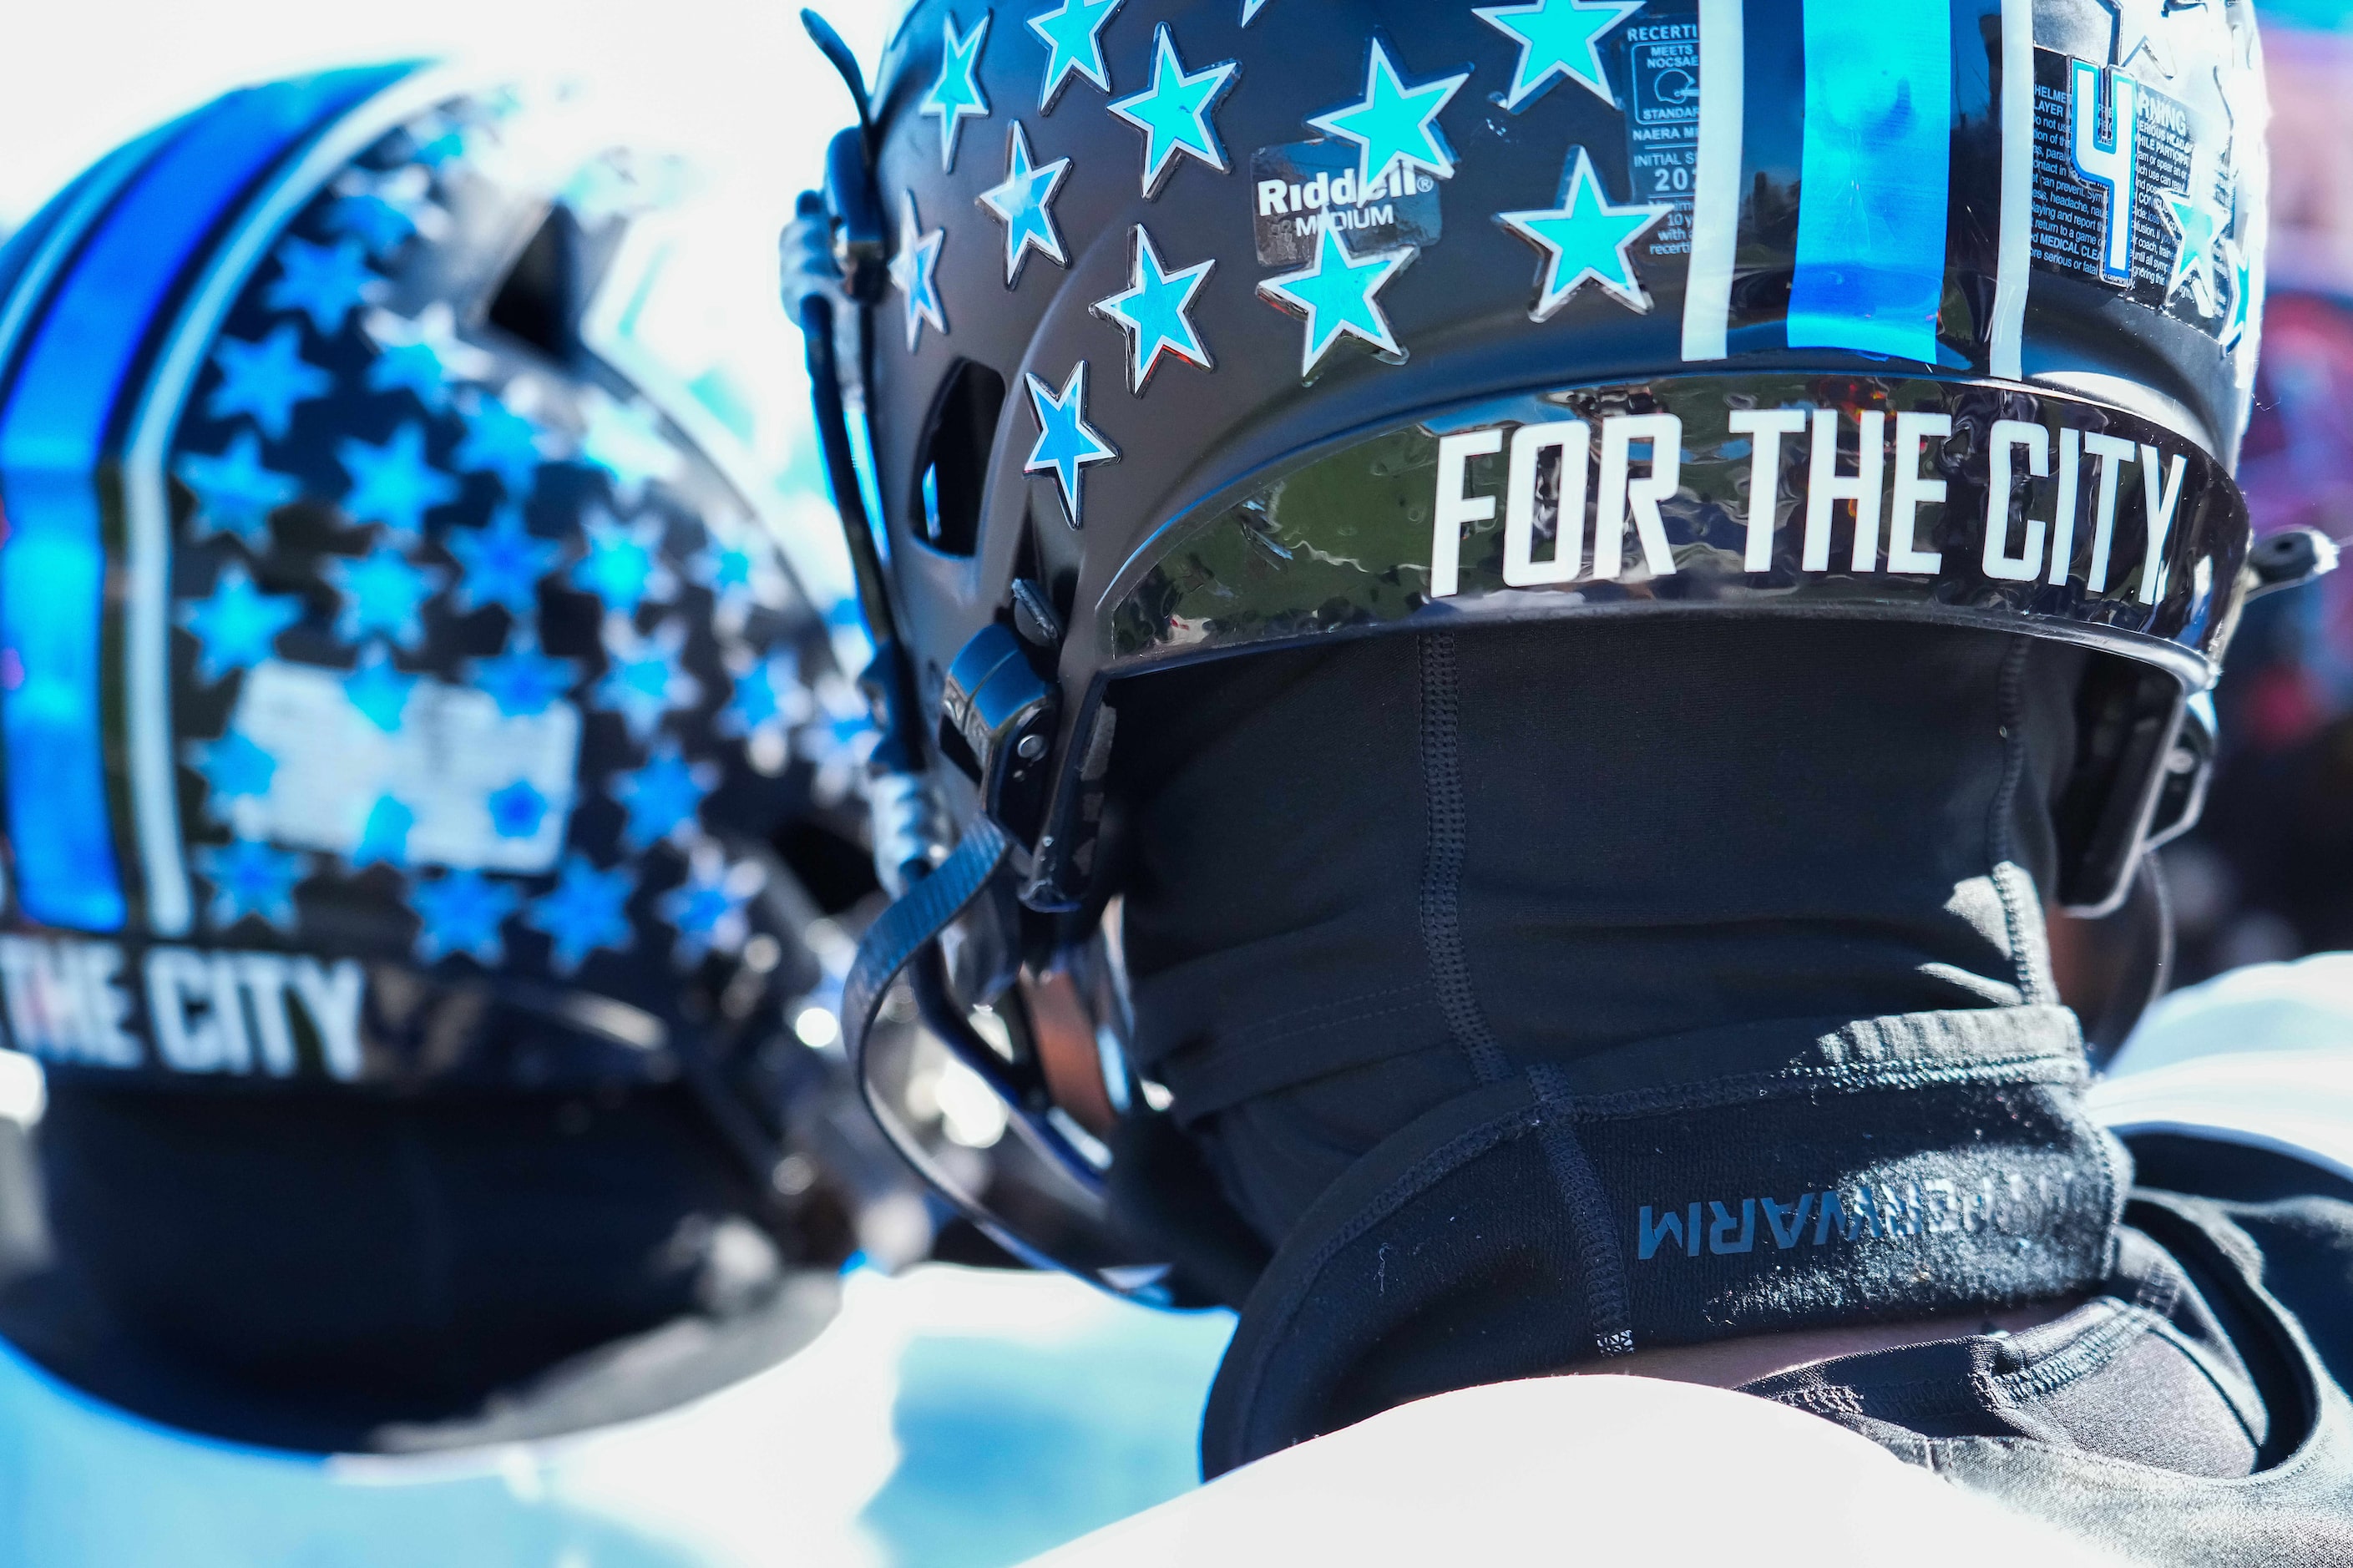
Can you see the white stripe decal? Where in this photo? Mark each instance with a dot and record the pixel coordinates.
(2017, 251)
(1715, 184)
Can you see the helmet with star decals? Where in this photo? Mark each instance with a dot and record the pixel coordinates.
(1208, 327)
(415, 675)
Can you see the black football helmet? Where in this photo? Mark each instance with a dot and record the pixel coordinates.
(1197, 328)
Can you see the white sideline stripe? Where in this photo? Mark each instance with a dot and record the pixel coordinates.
(2003, 354)
(1715, 184)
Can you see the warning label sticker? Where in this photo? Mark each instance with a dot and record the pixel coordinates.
(1662, 125)
(2130, 188)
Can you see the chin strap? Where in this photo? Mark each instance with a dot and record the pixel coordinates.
(906, 936)
(912, 925)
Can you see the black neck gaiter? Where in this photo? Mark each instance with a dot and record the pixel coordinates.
(1543, 992)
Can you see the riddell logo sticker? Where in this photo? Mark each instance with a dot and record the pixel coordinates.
(1298, 191)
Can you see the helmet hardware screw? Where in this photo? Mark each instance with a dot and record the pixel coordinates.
(1034, 617)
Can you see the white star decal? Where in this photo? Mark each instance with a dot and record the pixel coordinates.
(2140, 26)
(957, 94)
(1025, 204)
(913, 268)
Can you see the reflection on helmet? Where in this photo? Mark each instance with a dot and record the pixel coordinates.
(406, 678)
(1253, 327)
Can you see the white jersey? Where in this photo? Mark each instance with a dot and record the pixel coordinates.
(950, 1415)
(1627, 1469)
(2261, 1056)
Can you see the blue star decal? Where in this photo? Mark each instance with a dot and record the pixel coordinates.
(586, 909)
(517, 810)
(502, 563)
(759, 703)
(1250, 9)
(1073, 35)
(380, 213)
(1395, 126)
(1335, 296)
(326, 283)
(441, 141)
(501, 441)
(2242, 293)
(1023, 204)
(1174, 114)
(383, 837)
(957, 95)
(838, 740)
(378, 690)
(250, 878)
(643, 680)
(1152, 310)
(234, 767)
(413, 368)
(422, 356)
(725, 568)
(523, 681)
(2198, 222)
(265, 380)
(915, 272)
(462, 912)
(393, 484)
(235, 494)
(382, 594)
(662, 798)
(623, 564)
(1557, 38)
(1066, 443)
(1585, 239)
(378, 224)
(707, 909)
(237, 627)
(738, 567)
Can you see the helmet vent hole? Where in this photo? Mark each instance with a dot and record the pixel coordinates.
(535, 303)
(951, 477)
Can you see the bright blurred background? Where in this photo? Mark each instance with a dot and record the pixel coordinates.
(733, 81)
(734, 88)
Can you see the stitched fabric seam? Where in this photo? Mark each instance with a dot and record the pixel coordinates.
(1441, 875)
(2098, 1347)
(1792, 1083)
(1609, 1301)
(2024, 970)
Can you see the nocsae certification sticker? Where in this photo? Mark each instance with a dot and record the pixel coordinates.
(1662, 125)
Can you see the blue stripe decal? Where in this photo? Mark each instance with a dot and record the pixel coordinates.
(53, 433)
(1871, 197)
